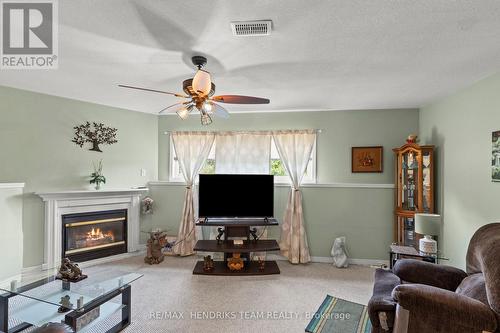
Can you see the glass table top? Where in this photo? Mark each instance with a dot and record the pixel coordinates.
(410, 251)
(45, 288)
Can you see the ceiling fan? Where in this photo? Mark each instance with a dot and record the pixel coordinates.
(199, 92)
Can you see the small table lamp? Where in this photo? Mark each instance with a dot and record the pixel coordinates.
(428, 225)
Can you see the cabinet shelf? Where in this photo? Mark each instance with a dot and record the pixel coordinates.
(228, 246)
(251, 268)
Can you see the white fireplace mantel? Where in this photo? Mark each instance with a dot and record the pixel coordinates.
(59, 203)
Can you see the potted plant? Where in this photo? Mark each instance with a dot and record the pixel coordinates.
(97, 177)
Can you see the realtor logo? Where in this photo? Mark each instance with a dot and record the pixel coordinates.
(29, 34)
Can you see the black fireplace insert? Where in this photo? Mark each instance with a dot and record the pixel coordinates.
(94, 235)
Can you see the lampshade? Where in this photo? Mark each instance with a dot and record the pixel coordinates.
(207, 106)
(202, 82)
(183, 113)
(428, 224)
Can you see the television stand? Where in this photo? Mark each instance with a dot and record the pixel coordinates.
(237, 227)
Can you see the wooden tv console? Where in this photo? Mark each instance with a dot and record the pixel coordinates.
(237, 227)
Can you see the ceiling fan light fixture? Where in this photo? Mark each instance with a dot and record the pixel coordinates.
(208, 106)
(184, 112)
(202, 82)
(205, 118)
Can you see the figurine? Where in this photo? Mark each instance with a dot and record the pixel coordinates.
(339, 253)
(147, 205)
(208, 263)
(412, 138)
(262, 264)
(156, 242)
(235, 263)
(65, 304)
(69, 271)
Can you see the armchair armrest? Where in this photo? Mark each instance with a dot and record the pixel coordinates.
(382, 301)
(438, 310)
(440, 276)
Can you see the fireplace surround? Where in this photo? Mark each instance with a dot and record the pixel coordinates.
(64, 203)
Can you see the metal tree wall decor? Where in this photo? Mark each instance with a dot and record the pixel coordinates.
(95, 133)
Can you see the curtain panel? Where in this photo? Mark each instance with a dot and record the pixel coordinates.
(192, 150)
(295, 149)
(243, 153)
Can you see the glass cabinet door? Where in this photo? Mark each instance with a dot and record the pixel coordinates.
(427, 182)
(406, 226)
(409, 181)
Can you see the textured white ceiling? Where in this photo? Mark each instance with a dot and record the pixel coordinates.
(348, 54)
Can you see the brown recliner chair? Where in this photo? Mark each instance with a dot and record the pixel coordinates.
(419, 296)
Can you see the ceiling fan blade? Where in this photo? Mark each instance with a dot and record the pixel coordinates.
(219, 111)
(238, 99)
(172, 108)
(153, 90)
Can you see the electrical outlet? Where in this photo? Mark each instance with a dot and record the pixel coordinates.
(143, 172)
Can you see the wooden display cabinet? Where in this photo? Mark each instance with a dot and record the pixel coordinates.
(414, 189)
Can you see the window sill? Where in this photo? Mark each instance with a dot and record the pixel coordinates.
(308, 185)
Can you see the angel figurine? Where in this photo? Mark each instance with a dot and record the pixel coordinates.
(339, 253)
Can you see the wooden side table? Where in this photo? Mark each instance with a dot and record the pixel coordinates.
(400, 251)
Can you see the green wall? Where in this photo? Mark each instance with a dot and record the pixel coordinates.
(36, 148)
(364, 215)
(11, 235)
(461, 127)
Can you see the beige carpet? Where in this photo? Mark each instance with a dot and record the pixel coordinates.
(170, 299)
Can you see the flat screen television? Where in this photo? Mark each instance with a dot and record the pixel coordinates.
(236, 196)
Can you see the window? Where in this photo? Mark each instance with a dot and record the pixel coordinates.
(175, 169)
(276, 166)
(280, 173)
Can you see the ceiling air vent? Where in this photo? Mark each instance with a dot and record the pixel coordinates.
(251, 28)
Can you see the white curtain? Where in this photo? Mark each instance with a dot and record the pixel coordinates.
(243, 153)
(294, 148)
(192, 150)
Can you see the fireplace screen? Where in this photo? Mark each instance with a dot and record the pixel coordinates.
(93, 235)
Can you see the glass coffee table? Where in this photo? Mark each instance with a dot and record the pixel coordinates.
(87, 306)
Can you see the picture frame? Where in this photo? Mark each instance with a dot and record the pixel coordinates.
(369, 159)
(495, 156)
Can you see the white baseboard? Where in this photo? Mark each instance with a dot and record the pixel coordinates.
(329, 260)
